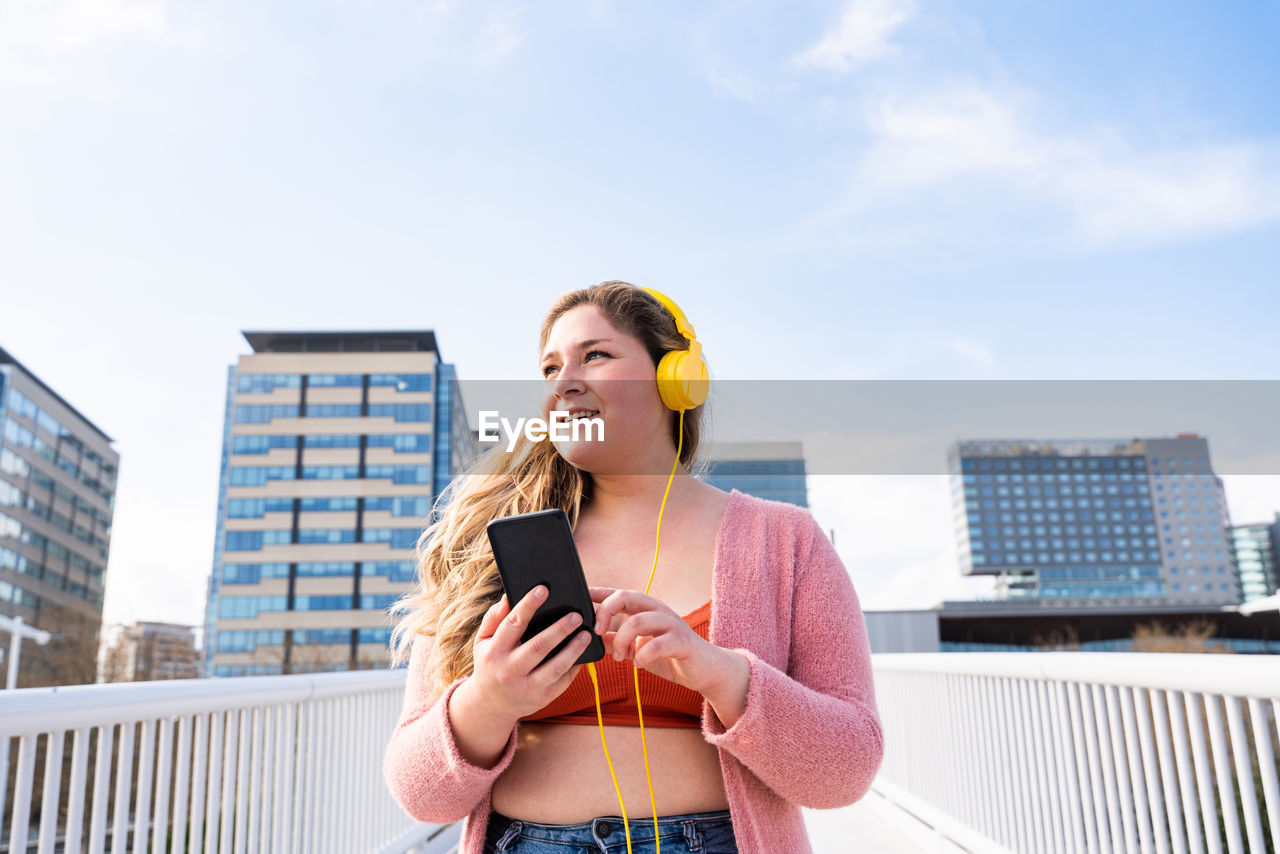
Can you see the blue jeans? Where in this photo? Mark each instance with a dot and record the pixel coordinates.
(689, 833)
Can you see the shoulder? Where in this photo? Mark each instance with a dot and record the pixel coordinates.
(769, 516)
(775, 536)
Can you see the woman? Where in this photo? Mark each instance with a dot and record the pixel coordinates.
(757, 701)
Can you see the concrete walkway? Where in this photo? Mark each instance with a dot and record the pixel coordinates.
(871, 826)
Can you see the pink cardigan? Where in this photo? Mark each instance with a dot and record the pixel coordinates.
(810, 735)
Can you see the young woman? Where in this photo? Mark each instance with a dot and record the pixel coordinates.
(749, 645)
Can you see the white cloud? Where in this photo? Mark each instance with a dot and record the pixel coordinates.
(987, 148)
(861, 37)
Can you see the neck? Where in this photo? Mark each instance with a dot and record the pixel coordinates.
(637, 496)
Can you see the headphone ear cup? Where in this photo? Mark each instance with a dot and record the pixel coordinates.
(683, 381)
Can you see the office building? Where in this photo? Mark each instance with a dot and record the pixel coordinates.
(772, 470)
(155, 651)
(57, 492)
(336, 446)
(1114, 523)
(1256, 559)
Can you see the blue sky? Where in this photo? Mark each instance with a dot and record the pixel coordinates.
(878, 189)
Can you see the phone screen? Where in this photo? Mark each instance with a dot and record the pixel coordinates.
(538, 548)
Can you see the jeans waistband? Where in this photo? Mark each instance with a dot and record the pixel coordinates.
(496, 817)
(606, 833)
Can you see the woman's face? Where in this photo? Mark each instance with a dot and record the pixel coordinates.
(590, 367)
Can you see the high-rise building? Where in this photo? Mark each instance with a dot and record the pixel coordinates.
(336, 445)
(772, 470)
(57, 493)
(1256, 558)
(1104, 522)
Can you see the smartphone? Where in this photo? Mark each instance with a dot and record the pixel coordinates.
(538, 548)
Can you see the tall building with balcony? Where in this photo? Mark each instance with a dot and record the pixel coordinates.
(772, 470)
(1127, 522)
(336, 445)
(1256, 558)
(57, 494)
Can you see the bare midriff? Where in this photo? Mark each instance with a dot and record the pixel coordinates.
(559, 774)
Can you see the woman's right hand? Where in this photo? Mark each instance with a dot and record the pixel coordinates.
(508, 673)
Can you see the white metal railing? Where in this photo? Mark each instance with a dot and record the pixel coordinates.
(1036, 752)
(1077, 751)
(257, 764)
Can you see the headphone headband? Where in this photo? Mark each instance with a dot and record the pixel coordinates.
(683, 326)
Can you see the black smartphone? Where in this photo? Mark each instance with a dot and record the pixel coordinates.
(538, 548)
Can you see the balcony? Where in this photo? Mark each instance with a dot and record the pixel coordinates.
(1037, 752)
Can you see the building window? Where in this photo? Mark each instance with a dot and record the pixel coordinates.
(266, 383)
(264, 413)
(335, 380)
(333, 410)
(401, 411)
(312, 536)
(402, 382)
(261, 444)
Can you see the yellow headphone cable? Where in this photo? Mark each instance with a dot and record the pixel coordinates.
(635, 673)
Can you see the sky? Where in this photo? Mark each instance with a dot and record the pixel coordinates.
(867, 190)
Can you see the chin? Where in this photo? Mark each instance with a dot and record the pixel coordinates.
(592, 458)
(581, 455)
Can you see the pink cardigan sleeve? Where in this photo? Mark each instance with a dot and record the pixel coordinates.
(425, 772)
(812, 734)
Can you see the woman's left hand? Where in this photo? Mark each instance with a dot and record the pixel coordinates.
(657, 639)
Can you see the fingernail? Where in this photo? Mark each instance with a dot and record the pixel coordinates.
(617, 656)
(575, 618)
(599, 627)
(539, 591)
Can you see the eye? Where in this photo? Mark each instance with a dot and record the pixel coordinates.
(546, 370)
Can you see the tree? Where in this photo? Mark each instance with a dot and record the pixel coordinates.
(115, 658)
(70, 657)
(1193, 636)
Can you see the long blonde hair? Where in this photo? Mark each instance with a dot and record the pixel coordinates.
(457, 578)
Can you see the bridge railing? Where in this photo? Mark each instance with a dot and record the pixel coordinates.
(1084, 752)
(258, 764)
(1037, 752)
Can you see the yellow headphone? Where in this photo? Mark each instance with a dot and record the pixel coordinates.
(683, 381)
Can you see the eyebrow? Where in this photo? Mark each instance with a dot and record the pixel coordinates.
(581, 345)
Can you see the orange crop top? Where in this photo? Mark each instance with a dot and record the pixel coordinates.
(666, 704)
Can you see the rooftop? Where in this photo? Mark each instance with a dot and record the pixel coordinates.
(335, 341)
(6, 358)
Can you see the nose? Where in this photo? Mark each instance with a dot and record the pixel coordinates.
(568, 381)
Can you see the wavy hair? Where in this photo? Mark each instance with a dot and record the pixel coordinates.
(457, 579)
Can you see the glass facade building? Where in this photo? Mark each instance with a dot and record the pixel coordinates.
(772, 470)
(57, 496)
(1256, 558)
(1121, 522)
(336, 446)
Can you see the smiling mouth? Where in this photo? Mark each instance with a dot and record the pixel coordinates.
(588, 413)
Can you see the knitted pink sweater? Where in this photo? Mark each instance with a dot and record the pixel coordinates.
(810, 735)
